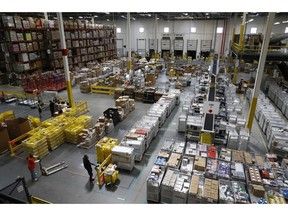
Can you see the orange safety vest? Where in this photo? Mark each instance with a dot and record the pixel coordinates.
(31, 164)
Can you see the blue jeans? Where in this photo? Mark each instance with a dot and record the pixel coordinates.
(33, 175)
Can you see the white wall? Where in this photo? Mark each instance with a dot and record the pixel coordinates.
(205, 30)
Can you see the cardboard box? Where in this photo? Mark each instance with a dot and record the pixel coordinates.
(4, 139)
(258, 190)
(17, 127)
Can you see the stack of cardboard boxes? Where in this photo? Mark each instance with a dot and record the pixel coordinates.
(211, 188)
(123, 157)
(103, 126)
(238, 156)
(174, 160)
(130, 91)
(87, 138)
(200, 163)
(249, 158)
(118, 92)
(258, 190)
(124, 106)
(254, 174)
(196, 189)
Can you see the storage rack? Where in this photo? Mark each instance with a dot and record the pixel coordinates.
(85, 43)
(22, 45)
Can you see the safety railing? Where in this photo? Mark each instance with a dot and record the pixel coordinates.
(13, 146)
(256, 49)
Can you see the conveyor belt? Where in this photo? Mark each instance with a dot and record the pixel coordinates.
(211, 96)
(209, 122)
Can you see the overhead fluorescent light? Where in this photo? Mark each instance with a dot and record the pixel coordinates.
(251, 20)
(80, 17)
(107, 13)
(158, 18)
(185, 14)
(55, 18)
(95, 16)
(276, 23)
(285, 21)
(149, 15)
(108, 20)
(207, 14)
(70, 17)
(133, 18)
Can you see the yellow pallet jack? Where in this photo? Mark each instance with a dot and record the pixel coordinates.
(52, 169)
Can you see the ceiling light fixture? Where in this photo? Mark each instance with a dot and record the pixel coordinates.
(107, 13)
(285, 21)
(185, 14)
(149, 15)
(95, 16)
(80, 17)
(70, 17)
(207, 14)
(108, 20)
(276, 23)
(133, 18)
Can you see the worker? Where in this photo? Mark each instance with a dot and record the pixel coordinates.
(87, 164)
(31, 167)
(240, 85)
(40, 111)
(52, 108)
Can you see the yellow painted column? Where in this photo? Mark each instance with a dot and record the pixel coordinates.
(233, 35)
(70, 95)
(129, 66)
(241, 35)
(236, 69)
(260, 69)
(251, 113)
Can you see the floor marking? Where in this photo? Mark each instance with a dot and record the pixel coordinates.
(119, 198)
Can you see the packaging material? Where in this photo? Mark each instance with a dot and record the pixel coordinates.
(200, 163)
(191, 149)
(260, 160)
(254, 175)
(202, 150)
(225, 155)
(240, 193)
(211, 168)
(4, 139)
(196, 190)
(224, 170)
(178, 147)
(212, 152)
(238, 156)
(123, 157)
(153, 185)
(174, 160)
(181, 189)
(249, 159)
(187, 165)
(162, 158)
(17, 127)
(136, 141)
(226, 194)
(168, 184)
(275, 197)
(237, 171)
(87, 138)
(211, 188)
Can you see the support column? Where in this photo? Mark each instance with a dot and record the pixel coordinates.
(260, 69)
(65, 59)
(242, 29)
(155, 38)
(45, 15)
(215, 36)
(129, 41)
(236, 69)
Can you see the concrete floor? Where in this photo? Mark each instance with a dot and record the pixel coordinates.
(72, 185)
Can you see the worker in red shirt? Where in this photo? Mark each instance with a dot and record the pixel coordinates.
(31, 167)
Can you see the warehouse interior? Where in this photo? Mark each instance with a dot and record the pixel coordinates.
(170, 108)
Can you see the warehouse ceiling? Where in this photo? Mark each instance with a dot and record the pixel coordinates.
(114, 16)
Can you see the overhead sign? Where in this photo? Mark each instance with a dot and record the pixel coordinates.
(211, 107)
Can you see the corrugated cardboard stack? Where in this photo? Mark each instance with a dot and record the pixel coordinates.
(160, 111)
(254, 175)
(196, 190)
(238, 156)
(148, 130)
(249, 158)
(258, 190)
(259, 160)
(123, 157)
(100, 127)
(174, 160)
(123, 102)
(118, 92)
(153, 183)
(211, 188)
(85, 87)
(87, 138)
(167, 185)
(130, 91)
(200, 163)
(104, 148)
(139, 94)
